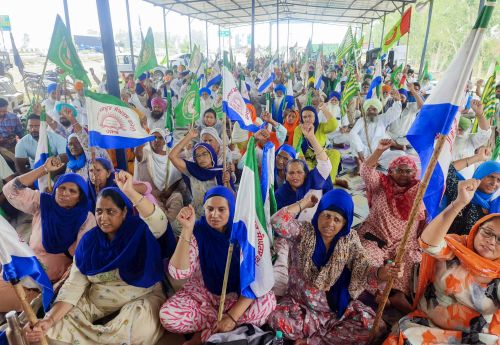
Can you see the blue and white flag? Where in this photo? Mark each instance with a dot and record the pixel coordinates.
(234, 105)
(215, 76)
(42, 152)
(19, 263)
(267, 185)
(251, 232)
(244, 91)
(268, 76)
(439, 113)
(113, 124)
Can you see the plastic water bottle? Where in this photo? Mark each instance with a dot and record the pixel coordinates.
(278, 340)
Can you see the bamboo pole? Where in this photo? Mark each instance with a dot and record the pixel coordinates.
(224, 283)
(21, 294)
(224, 143)
(424, 183)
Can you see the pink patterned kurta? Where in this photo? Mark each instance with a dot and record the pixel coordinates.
(304, 312)
(385, 225)
(28, 201)
(194, 308)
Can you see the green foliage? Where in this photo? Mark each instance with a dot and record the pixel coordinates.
(451, 23)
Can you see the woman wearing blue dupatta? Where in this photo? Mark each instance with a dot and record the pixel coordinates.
(200, 257)
(485, 199)
(284, 154)
(328, 271)
(203, 173)
(117, 270)
(60, 219)
(300, 181)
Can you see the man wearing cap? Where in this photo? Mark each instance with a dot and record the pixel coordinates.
(366, 135)
(79, 103)
(54, 96)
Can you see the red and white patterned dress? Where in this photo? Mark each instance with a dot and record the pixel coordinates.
(194, 308)
(384, 223)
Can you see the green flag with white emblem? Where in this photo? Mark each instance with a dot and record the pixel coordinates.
(147, 57)
(62, 52)
(188, 109)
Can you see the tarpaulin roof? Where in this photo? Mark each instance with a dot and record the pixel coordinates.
(231, 13)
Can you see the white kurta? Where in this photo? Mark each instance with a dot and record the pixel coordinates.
(400, 127)
(375, 130)
(465, 146)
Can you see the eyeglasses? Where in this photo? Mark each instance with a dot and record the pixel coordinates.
(404, 171)
(204, 154)
(489, 234)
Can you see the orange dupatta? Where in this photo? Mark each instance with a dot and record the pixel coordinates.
(463, 248)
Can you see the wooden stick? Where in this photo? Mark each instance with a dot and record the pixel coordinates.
(224, 143)
(424, 183)
(224, 283)
(21, 294)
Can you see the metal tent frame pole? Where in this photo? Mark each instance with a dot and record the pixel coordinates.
(108, 49)
(370, 35)
(206, 36)
(383, 29)
(190, 42)
(252, 39)
(278, 29)
(427, 30)
(130, 40)
(165, 36)
(66, 17)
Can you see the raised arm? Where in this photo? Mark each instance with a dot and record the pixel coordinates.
(434, 233)
(383, 145)
(418, 98)
(180, 258)
(308, 133)
(477, 107)
(175, 154)
(51, 164)
(483, 154)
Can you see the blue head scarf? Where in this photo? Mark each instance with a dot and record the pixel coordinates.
(335, 94)
(205, 89)
(51, 88)
(110, 182)
(486, 201)
(213, 246)
(203, 174)
(60, 226)
(134, 251)
(305, 143)
(403, 92)
(75, 163)
(285, 195)
(280, 87)
(291, 152)
(341, 202)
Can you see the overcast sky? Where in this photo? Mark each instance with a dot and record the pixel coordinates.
(36, 18)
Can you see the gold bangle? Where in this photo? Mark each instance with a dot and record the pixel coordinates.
(140, 200)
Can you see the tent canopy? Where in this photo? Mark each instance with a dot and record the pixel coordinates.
(232, 13)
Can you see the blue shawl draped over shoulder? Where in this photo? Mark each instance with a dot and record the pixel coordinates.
(213, 246)
(60, 226)
(341, 202)
(134, 251)
(285, 195)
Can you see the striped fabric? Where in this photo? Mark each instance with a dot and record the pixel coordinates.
(347, 45)
(351, 90)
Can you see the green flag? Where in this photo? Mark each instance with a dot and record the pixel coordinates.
(489, 101)
(168, 113)
(62, 52)
(147, 57)
(394, 75)
(496, 151)
(188, 109)
(425, 72)
(351, 90)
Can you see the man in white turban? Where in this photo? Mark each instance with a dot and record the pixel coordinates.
(364, 136)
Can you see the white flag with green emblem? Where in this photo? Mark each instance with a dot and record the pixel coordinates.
(188, 109)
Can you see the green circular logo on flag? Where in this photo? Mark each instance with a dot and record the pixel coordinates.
(188, 106)
(65, 55)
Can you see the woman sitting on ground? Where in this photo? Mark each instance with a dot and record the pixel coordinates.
(102, 175)
(328, 270)
(200, 256)
(117, 269)
(458, 293)
(203, 173)
(60, 219)
(485, 199)
(390, 198)
(283, 155)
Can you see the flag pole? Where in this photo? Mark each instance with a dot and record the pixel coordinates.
(422, 187)
(224, 283)
(21, 294)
